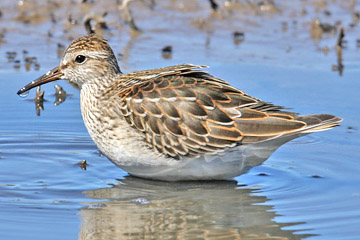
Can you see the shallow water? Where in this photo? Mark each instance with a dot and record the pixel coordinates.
(309, 188)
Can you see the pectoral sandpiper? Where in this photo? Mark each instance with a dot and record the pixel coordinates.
(174, 123)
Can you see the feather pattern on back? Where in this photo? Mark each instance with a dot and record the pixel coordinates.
(183, 111)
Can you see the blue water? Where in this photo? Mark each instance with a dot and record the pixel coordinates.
(309, 188)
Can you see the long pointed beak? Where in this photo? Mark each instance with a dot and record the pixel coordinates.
(50, 76)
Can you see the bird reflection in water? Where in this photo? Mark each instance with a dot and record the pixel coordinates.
(143, 209)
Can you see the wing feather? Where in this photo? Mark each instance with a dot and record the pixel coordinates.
(187, 112)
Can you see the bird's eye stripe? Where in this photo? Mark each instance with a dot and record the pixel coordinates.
(80, 59)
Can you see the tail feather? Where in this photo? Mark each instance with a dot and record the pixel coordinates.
(318, 122)
(314, 123)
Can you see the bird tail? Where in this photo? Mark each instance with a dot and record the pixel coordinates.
(318, 122)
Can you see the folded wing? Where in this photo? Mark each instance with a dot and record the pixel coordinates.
(186, 112)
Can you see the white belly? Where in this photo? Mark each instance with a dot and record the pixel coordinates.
(131, 153)
(226, 166)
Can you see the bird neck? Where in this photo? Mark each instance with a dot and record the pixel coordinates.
(98, 86)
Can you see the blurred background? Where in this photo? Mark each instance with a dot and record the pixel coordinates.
(54, 183)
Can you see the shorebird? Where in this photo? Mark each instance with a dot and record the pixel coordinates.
(174, 123)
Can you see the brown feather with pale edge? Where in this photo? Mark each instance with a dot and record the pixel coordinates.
(187, 112)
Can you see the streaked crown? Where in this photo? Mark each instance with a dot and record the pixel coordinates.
(91, 42)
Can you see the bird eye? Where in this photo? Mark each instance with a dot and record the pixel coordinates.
(80, 59)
